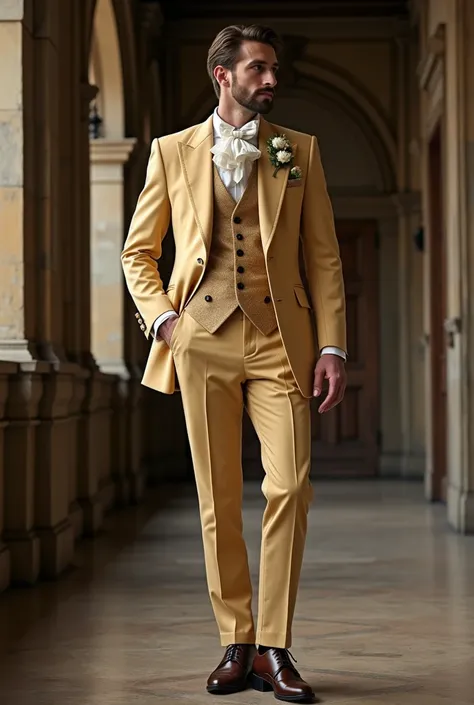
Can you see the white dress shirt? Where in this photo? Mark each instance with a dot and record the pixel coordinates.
(236, 190)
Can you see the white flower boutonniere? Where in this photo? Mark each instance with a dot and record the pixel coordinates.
(295, 173)
(280, 152)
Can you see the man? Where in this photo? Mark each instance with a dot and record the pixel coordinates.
(235, 325)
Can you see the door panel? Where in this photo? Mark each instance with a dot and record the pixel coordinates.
(345, 440)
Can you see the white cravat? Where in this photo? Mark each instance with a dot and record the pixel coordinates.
(234, 148)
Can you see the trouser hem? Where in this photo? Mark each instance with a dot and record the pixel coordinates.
(228, 638)
(278, 640)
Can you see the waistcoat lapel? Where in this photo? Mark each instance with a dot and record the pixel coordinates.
(271, 190)
(196, 162)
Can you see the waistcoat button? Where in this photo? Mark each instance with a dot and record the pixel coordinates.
(237, 219)
(240, 286)
(200, 260)
(208, 298)
(240, 270)
(239, 236)
(267, 299)
(240, 253)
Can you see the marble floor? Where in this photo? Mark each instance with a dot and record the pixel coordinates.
(385, 612)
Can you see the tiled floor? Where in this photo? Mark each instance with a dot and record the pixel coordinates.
(385, 612)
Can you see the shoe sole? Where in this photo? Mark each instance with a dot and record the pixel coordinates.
(264, 686)
(229, 690)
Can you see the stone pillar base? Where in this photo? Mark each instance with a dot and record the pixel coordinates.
(93, 513)
(5, 567)
(461, 509)
(76, 517)
(25, 557)
(57, 548)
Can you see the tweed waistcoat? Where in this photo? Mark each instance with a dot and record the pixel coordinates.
(235, 274)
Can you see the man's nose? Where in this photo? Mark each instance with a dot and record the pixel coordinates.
(271, 79)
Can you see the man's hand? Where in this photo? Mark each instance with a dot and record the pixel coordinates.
(330, 367)
(166, 329)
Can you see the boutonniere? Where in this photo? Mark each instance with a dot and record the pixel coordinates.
(280, 152)
(295, 174)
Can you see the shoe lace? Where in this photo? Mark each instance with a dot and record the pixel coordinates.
(283, 660)
(233, 653)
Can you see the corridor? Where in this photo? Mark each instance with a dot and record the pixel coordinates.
(385, 610)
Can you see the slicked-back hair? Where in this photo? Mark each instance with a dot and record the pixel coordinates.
(225, 48)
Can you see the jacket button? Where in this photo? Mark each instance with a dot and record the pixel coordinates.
(267, 299)
(140, 320)
(142, 327)
(237, 219)
(208, 298)
(239, 236)
(137, 315)
(240, 270)
(240, 253)
(240, 286)
(200, 260)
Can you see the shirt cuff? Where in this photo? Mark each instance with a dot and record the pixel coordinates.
(331, 350)
(161, 319)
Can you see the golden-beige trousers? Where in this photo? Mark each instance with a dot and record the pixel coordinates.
(219, 375)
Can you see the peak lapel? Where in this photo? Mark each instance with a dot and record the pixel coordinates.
(271, 190)
(196, 163)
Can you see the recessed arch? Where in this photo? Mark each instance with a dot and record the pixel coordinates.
(345, 89)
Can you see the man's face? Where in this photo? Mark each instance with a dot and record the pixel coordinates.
(254, 77)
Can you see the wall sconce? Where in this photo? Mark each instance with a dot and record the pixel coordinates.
(95, 121)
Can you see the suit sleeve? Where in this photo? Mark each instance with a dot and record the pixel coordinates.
(142, 248)
(321, 256)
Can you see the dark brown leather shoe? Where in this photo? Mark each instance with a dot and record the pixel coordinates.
(274, 670)
(231, 674)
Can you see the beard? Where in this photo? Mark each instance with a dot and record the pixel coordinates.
(251, 101)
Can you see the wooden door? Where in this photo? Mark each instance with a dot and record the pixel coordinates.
(437, 255)
(345, 440)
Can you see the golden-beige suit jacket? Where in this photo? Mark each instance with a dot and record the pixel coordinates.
(179, 189)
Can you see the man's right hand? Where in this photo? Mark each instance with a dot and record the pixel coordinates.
(166, 329)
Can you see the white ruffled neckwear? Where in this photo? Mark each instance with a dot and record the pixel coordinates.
(234, 152)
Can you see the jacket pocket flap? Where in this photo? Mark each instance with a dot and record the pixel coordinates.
(301, 297)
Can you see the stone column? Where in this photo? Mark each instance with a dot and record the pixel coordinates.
(18, 274)
(107, 237)
(25, 392)
(18, 285)
(7, 369)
